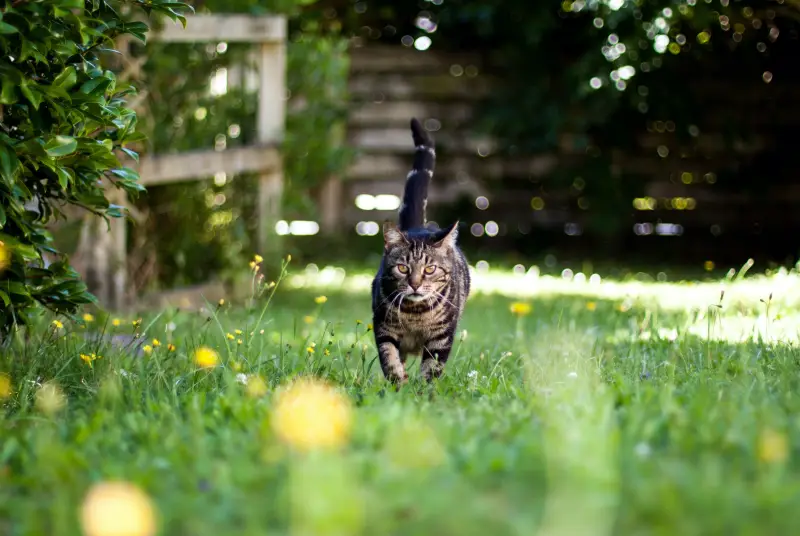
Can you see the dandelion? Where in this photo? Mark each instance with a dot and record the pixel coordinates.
(116, 322)
(171, 347)
(311, 414)
(86, 358)
(320, 299)
(258, 258)
(253, 266)
(288, 258)
(88, 317)
(50, 399)
(137, 323)
(310, 349)
(521, 308)
(229, 336)
(156, 343)
(369, 327)
(147, 349)
(326, 352)
(238, 341)
(256, 387)
(5, 385)
(591, 306)
(57, 324)
(358, 322)
(117, 509)
(238, 331)
(5, 256)
(772, 446)
(308, 319)
(205, 357)
(221, 302)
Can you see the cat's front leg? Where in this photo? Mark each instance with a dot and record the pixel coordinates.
(434, 356)
(389, 357)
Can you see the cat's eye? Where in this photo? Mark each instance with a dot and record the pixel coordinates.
(402, 268)
(430, 269)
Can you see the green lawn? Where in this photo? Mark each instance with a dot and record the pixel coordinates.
(612, 408)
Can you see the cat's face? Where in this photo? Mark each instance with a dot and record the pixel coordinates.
(420, 263)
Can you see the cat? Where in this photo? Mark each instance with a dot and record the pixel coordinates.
(422, 284)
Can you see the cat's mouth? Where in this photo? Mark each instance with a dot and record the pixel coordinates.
(415, 296)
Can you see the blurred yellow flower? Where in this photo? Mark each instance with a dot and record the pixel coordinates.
(591, 306)
(221, 302)
(773, 447)
(311, 414)
(358, 322)
(49, 398)
(369, 327)
(256, 386)
(327, 352)
(258, 258)
(623, 307)
(310, 349)
(5, 385)
(88, 318)
(308, 319)
(708, 266)
(5, 256)
(57, 324)
(171, 347)
(117, 509)
(520, 308)
(147, 349)
(321, 299)
(116, 322)
(86, 358)
(253, 266)
(156, 343)
(288, 258)
(137, 323)
(205, 357)
(230, 336)
(238, 331)
(239, 341)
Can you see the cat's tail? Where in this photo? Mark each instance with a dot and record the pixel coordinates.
(415, 195)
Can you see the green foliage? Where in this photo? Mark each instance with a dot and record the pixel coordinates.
(636, 409)
(63, 130)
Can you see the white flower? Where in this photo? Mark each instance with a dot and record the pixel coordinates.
(472, 374)
(572, 374)
(242, 378)
(463, 335)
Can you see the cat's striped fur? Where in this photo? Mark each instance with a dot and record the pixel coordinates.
(419, 292)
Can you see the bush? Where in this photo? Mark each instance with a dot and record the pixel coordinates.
(63, 129)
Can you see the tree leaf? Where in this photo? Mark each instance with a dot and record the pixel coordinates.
(8, 163)
(66, 79)
(33, 95)
(61, 146)
(7, 29)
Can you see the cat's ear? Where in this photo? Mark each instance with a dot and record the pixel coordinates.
(447, 237)
(392, 236)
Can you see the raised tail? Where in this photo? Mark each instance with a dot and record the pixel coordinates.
(415, 195)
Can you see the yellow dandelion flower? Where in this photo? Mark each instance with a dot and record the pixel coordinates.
(86, 358)
(205, 357)
(88, 318)
(5, 256)
(288, 258)
(256, 386)
(326, 352)
(236, 366)
(116, 322)
(321, 299)
(311, 414)
(5, 386)
(230, 336)
(308, 319)
(221, 302)
(253, 266)
(369, 327)
(137, 323)
(310, 349)
(238, 331)
(521, 308)
(156, 343)
(271, 284)
(50, 399)
(773, 446)
(117, 509)
(147, 349)
(171, 347)
(358, 322)
(258, 258)
(238, 341)
(57, 324)
(591, 306)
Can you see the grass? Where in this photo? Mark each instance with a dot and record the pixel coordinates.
(612, 408)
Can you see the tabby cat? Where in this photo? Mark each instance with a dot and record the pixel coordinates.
(419, 292)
